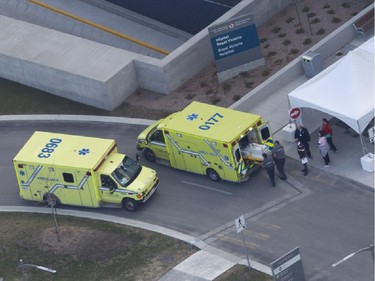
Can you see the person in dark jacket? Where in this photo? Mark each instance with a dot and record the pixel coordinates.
(279, 158)
(302, 134)
(270, 167)
(302, 155)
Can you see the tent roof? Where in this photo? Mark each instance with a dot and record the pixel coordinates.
(344, 90)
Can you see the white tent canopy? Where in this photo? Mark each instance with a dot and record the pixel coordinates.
(344, 90)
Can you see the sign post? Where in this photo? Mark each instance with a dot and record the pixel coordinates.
(240, 226)
(295, 114)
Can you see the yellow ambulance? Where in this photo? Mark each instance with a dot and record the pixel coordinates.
(82, 171)
(210, 140)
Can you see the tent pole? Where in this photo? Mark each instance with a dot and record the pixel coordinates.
(364, 148)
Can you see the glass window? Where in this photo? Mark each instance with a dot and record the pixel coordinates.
(68, 177)
(157, 136)
(265, 132)
(237, 154)
(107, 181)
(127, 171)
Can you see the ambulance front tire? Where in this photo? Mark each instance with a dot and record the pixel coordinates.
(52, 200)
(130, 204)
(149, 155)
(213, 175)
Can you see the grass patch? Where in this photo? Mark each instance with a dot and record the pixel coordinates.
(18, 99)
(282, 35)
(305, 9)
(276, 29)
(300, 31)
(345, 5)
(227, 87)
(245, 74)
(331, 12)
(286, 42)
(293, 51)
(215, 100)
(262, 40)
(271, 54)
(266, 46)
(87, 250)
(243, 273)
(279, 61)
(190, 96)
(314, 21)
(203, 84)
(289, 20)
(311, 15)
(249, 84)
(321, 31)
(336, 20)
(307, 41)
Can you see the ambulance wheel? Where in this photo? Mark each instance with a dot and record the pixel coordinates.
(213, 175)
(52, 200)
(130, 204)
(149, 155)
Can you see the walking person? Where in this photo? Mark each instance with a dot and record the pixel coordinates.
(302, 155)
(270, 168)
(279, 158)
(324, 148)
(327, 132)
(302, 135)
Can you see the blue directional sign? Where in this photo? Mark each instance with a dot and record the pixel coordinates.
(235, 42)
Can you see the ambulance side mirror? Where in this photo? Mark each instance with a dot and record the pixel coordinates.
(137, 157)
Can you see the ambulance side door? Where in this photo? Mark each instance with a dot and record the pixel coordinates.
(157, 145)
(108, 188)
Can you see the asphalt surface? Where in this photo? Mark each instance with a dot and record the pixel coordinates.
(326, 216)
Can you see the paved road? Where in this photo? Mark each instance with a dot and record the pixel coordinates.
(189, 15)
(324, 215)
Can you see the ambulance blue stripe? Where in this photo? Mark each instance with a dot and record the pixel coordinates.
(187, 151)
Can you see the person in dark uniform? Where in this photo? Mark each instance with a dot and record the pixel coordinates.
(302, 155)
(279, 158)
(302, 134)
(270, 167)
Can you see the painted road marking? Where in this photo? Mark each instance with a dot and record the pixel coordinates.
(207, 187)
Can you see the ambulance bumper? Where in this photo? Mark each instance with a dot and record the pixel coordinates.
(152, 191)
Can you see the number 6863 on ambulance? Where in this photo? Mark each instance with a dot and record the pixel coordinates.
(81, 171)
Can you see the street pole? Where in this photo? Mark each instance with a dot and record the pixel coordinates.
(369, 248)
(246, 252)
(23, 265)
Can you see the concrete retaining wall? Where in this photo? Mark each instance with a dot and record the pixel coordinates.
(66, 65)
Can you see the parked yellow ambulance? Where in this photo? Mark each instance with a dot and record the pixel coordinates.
(82, 171)
(209, 140)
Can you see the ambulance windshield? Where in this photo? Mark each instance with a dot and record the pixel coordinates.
(127, 171)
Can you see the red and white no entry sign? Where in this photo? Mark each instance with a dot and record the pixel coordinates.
(295, 112)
